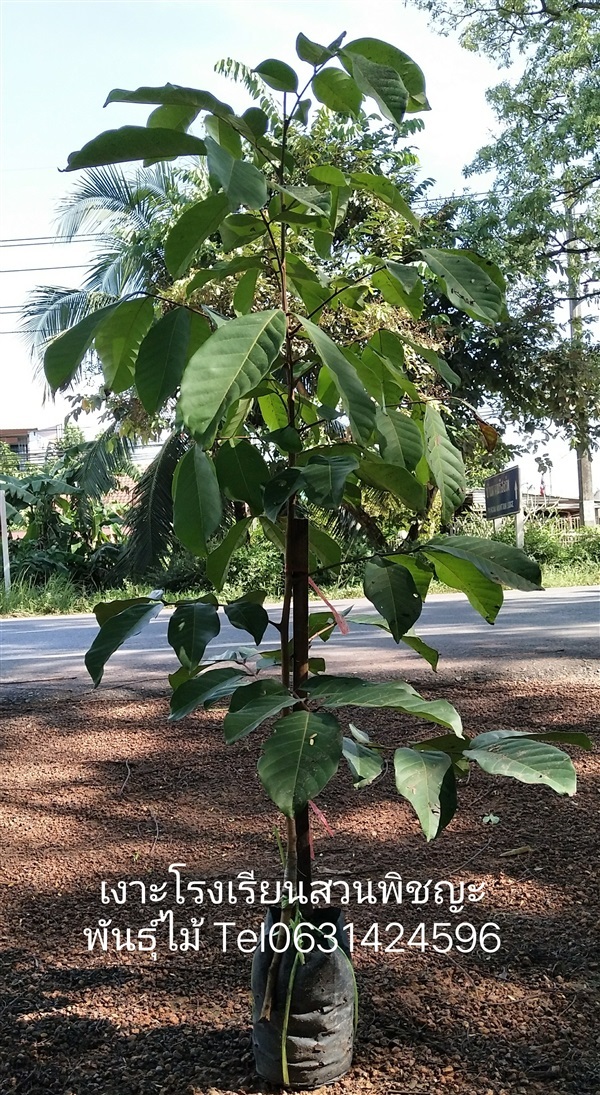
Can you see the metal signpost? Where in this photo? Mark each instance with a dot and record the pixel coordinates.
(503, 498)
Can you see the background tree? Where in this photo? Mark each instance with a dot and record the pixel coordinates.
(541, 220)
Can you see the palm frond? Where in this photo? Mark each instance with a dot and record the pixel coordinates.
(50, 310)
(150, 517)
(102, 198)
(102, 461)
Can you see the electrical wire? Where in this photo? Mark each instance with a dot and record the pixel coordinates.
(37, 269)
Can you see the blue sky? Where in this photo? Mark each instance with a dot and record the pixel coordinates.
(60, 60)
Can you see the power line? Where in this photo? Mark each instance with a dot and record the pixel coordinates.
(55, 236)
(37, 269)
(59, 241)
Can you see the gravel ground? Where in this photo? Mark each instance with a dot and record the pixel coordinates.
(99, 786)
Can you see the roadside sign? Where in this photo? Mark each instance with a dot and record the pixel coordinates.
(503, 494)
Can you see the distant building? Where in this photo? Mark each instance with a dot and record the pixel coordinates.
(30, 444)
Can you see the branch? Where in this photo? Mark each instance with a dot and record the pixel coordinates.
(274, 245)
(337, 293)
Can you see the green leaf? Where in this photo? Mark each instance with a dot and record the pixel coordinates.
(316, 665)
(426, 780)
(447, 743)
(197, 509)
(385, 190)
(497, 561)
(302, 111)
(337, 91)
(287, 439)
(385, 54)
(274, 533)
(328, 174)
(113, 634)
(274, 410)
(279, 489)
(118, 340)
(222, 270)
(445, 461)
(243, 183)
(400, 439)
(243, 298)
(311, 52)
(527, 761)
(352, 691)
(490, 737)
(233, 362)
(105, 610)
(190, 630)
(382, 380)
(393, 592)
(65, 353)
(209, 687)
(252, 705)
(323, 242)
(256, 120)
(324, 550)
(422, 648)
(355, 400)
(401, 286)
(133, 142)
(364, 764)
(433, 359)
(421, 572)
(307, 196)
(238, 229)
(172, 117)
(190, 231)
(381, 83)
(484, 593)
(220, 130)
(172, 95)
(324, 479)
(162, 358)
(242, 473)
(466, 284)
(248, 617)
(299, 759)
(360, 736)
(278, 75)
(321, 625)
(397, 481)
(217, 563)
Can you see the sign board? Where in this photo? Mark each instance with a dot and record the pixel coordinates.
(503, 494)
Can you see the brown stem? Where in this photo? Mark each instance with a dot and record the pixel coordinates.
(290, 875)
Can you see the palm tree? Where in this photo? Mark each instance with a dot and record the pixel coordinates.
(129, 216)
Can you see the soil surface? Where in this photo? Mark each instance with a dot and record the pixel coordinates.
(99, 786)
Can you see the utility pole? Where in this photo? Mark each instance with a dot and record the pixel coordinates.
(587, 508)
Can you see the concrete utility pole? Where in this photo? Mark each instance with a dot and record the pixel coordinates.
(587, 508)
(4, 536)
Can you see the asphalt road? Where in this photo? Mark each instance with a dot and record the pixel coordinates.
(554, 632)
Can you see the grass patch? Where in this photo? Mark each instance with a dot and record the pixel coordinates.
(60, 597)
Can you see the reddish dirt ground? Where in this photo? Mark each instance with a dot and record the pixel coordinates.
(100, 786)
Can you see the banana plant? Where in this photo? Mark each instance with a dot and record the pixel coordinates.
(281, 409)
